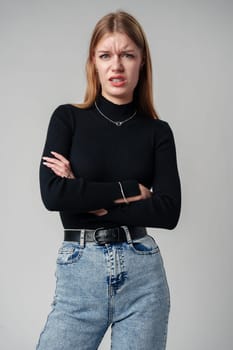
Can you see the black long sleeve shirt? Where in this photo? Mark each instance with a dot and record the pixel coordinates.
(141, 150)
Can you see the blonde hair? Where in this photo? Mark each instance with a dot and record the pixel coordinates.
(121, 22)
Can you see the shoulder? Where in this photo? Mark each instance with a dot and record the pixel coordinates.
(69, 109)
(62, 109)
(162, 131)
(155, 123)
(161, 126)
(70, 115)
(158, 127)
(62, 116)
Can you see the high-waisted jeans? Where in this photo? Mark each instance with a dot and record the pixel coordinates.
(119, 284)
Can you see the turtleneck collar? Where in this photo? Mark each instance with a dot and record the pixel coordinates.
(114, 111)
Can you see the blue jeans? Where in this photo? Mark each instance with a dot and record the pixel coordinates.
(121, 284)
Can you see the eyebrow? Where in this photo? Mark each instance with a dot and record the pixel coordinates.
(124, 50)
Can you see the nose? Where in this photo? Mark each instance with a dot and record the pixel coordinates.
(117, 64)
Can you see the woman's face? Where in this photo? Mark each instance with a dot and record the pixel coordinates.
(118, 61)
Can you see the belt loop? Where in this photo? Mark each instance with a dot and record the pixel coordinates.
(128, 235)
(82, 235)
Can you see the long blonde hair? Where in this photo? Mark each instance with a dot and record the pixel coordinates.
(121, 22)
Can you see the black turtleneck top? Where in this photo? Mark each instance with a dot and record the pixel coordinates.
(141, 150)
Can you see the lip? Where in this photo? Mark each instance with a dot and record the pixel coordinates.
(117, 77)
(120, 83)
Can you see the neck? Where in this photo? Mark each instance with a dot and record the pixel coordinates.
(118, 100)
(116, 112)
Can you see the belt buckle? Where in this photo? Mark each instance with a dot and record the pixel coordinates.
(116, 234)
(94, 236)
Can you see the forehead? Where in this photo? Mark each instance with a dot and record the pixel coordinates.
(116, 41)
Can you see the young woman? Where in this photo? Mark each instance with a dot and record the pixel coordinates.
(109, 167)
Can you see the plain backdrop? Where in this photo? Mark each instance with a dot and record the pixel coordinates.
(43, 50)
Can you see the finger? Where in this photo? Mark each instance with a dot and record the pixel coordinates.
(54, 161)
(58, 170)
(61, 167)
(94, 211)
(134, 198)
(119, 201)
(60, 157)
(58, 173)
(53, 165)
(129, 199)
(103, 213)
(98, 212)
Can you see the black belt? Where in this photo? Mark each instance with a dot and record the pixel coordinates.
(104, 235)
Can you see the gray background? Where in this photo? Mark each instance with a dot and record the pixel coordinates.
(43, 50)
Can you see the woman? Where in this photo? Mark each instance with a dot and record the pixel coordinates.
(109, 167)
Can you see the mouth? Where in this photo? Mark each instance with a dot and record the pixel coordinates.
(117, 81)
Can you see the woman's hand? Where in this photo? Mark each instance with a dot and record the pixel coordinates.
(145, 193)
(59, 165)
(99, 212)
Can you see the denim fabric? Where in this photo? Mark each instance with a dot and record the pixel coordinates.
(122, 284)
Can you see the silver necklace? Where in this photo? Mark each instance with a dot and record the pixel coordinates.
(119, 123)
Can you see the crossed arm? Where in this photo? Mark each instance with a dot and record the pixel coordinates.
(62, 167)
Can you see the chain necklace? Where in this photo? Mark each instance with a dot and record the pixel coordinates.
(119, 123)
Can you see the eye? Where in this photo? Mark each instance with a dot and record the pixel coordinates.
(104, 56)
(127, 55)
